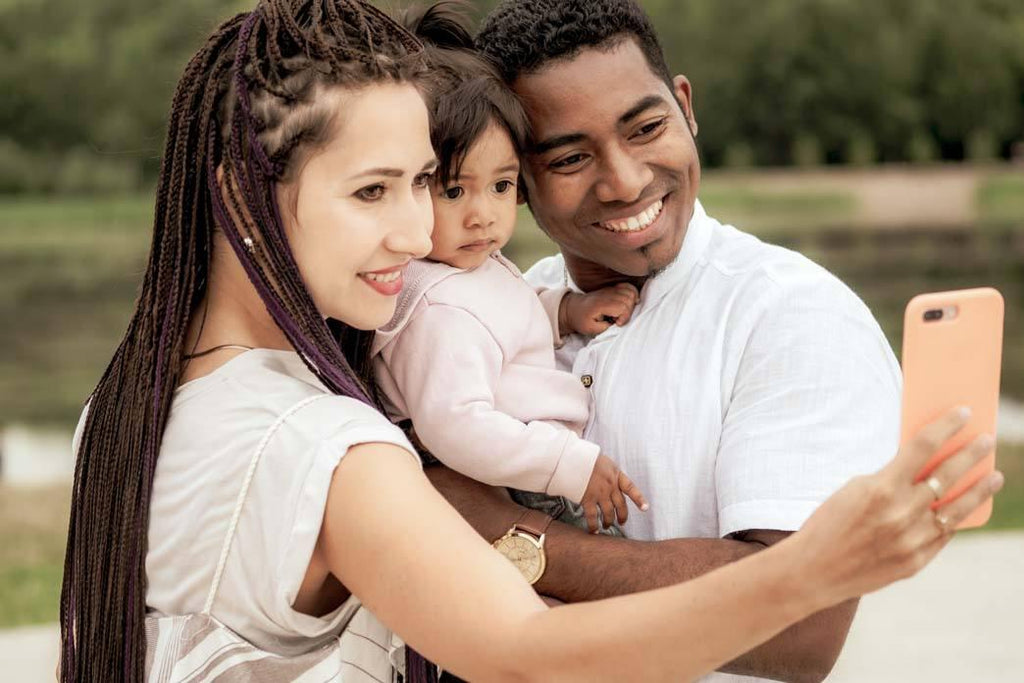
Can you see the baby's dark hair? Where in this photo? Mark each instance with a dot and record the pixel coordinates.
(521, 36)
(467, 94)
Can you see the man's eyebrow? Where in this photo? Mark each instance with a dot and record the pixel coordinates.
(556, 142)
(640, 107)
(392, 172)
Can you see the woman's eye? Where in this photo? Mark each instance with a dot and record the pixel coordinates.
(423, 179)
(503, 186)
(566, 162)
(453, 193)
(371, 193)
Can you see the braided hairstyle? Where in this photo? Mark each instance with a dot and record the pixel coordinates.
(247, 105)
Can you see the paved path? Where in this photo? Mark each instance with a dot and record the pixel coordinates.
(959, 621)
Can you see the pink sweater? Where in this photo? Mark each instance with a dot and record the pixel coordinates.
(469, 358)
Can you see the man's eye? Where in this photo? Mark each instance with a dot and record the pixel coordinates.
(372, 193)
(650, 128)
(423, 179)
(571, 160)
(503, 186)
(453, 192)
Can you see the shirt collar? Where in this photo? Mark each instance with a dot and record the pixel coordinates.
(675, 274)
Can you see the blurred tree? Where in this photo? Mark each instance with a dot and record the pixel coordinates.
(784, 81)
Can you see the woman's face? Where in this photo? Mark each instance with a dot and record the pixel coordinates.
(359, 209)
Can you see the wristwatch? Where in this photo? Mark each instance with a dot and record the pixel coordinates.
(523, 544)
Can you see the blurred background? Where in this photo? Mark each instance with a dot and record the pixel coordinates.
(883, 140)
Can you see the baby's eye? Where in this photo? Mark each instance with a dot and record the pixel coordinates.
(372, 193)
(453, 192)
(503, 186)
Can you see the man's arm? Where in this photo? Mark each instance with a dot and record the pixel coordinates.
(584, 567)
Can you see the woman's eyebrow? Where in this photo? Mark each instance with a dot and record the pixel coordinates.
(392, 172)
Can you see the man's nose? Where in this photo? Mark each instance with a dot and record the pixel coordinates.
(623, 177)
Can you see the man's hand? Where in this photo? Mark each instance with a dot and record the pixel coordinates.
(593, 313)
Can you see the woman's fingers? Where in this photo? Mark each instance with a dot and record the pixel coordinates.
(953, 468)
(929, 440)
(957, 511)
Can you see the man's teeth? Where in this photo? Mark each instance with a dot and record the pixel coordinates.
(636, 223)
(383, 277)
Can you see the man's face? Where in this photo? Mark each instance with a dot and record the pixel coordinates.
(613, 174)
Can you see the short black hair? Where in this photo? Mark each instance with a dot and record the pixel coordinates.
(521, 36)
(466, 94)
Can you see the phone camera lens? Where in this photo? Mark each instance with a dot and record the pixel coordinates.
(932, 315)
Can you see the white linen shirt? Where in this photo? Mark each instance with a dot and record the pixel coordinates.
(749, 385)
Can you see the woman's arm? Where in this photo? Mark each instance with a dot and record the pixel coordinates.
(394, 542)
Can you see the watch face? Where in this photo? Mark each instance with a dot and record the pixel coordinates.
(525, 553)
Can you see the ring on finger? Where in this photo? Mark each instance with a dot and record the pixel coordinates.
(942, 521)
(935, 485)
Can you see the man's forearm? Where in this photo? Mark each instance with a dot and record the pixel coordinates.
(584, 567)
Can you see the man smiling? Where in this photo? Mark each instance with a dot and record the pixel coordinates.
(750, 383)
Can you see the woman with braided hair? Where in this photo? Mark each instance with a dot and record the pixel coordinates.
(238, 496)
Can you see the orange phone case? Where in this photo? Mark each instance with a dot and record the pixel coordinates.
(950, 361)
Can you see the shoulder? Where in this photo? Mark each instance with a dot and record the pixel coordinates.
(266, 391)
(765, 277)
(548, 272)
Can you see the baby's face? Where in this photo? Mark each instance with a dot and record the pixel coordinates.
(475, 214)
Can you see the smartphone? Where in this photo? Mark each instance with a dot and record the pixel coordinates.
(952, 355)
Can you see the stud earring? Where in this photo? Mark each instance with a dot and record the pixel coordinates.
(250, 246)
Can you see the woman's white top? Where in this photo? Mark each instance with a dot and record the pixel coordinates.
(217, 423)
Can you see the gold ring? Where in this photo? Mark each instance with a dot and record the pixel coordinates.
(935, 485)
(943, 522)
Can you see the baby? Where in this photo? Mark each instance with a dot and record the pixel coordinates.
(469, 356)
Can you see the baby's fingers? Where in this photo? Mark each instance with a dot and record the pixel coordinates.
(590, 512)
(621, 509)
(627, 486)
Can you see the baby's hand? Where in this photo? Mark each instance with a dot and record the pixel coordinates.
(605, 491)
(593, 313)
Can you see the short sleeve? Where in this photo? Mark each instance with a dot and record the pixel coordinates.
(815, 401)
(284, 510)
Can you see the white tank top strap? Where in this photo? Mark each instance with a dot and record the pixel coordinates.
(236, 515)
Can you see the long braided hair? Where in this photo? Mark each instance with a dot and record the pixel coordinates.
(246, 105)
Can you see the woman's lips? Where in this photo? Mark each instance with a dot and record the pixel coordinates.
(387, 282)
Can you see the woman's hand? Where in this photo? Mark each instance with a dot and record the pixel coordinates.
(881, 528)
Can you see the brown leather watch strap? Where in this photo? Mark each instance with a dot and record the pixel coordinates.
(534, 522)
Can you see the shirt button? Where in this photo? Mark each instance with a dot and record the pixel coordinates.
(587, 380)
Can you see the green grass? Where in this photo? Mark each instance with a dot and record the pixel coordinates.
(764, 212)
(1001, 198)
(69, 269)
(33, 530)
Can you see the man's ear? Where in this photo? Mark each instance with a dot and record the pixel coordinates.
(684, 95)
